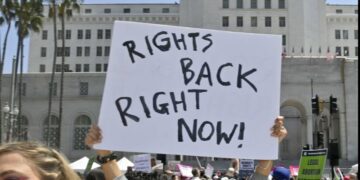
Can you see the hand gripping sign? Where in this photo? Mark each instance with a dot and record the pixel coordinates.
(178, 90)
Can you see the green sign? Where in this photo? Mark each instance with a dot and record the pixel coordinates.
(312, 163)
(89, 165)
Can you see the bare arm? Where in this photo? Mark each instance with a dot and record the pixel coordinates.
(111, 169)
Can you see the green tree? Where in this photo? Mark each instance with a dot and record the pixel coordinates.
(66, 8)
(8, 14)
(29, 15)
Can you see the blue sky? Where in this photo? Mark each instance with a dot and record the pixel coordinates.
(11, 50)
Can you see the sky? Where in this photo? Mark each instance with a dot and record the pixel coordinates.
(12, 40)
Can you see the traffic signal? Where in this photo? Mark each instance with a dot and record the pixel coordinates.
(320, 139)
(315, 105)
(333, 105)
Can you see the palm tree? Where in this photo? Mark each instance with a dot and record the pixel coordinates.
(65, 11)
(8, 14)
(52, 14)
(29, 18)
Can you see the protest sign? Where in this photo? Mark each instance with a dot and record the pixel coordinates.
(185, 171)
(142, 162)
(246, 168)
(294, 170)
(209, 171)
(312, 164)
(178, 90)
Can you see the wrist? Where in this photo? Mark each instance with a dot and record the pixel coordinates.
(103, 152)
(106, 158)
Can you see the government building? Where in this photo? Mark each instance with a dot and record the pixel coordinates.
(320, 57)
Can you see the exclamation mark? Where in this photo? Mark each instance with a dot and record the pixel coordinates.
(241, 133)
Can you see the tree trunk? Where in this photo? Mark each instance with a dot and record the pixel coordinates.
(62, 73)
(2, 63)
(52, 75)
(19, 117)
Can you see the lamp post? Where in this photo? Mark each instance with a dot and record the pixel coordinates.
(10, 115)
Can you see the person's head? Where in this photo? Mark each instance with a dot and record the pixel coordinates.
(235, 164)
(281, 173)
(195, 172)
(33, 161)
(153, 162)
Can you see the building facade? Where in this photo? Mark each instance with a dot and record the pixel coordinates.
(313, 33)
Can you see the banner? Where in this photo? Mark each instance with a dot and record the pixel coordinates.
(312, 164)
(216, 93)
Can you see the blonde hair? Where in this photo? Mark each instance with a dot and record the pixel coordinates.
(50, 164)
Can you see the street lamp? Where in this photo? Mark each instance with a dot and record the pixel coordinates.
(10, 117)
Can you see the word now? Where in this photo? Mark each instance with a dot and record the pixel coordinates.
(196, 131)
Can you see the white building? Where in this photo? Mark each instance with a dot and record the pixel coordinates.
(310, 28)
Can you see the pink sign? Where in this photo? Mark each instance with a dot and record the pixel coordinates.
(294, 170)
(185, 170)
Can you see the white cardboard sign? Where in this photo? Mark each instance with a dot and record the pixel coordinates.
(178, 90)
(142, 162)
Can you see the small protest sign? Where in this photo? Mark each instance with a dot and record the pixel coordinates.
(246, 168)
(312, 164)
(195, 88)
(185, 170)
(209, 171)
(294, 170)
(142, 162)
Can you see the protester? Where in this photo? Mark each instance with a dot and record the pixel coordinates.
(31, 160)
(281, 173)
(196, 174)
(112, 171)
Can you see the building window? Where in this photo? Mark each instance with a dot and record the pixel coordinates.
(84, 88)
(225, 4)
(68, 34)
(44, 35)
(43, 52)
(66, 68)
(355, 34)
(107, 33)
(267, 4)
(87, 51)
(59, 51)
(268, 21)
(54, 89)
(253, 4)
(105, 67)
(67, 51)
(80, 34)
(281, 4)
(225, 21)
(60, 34)
(337, 34)
(86, 67)
(98, 51)
(253, 21)
(42, 68)
(78, 51)
(284, 40)
(107, 51)
(146, 10)
(88, 34)
(82, 126)
(127, 10)
(239, 21)
(282, 21)
(338, 50)
(77, 67)
(345, 34)
(98, 67)
(339, 11)
(107, 11)
(239, 4)
(88, 11)
(22, 89)
(51, 132)
(58, 68)
(23, 134)
(99, 33)
(346, 51)
(356, 51)
(165, 10)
